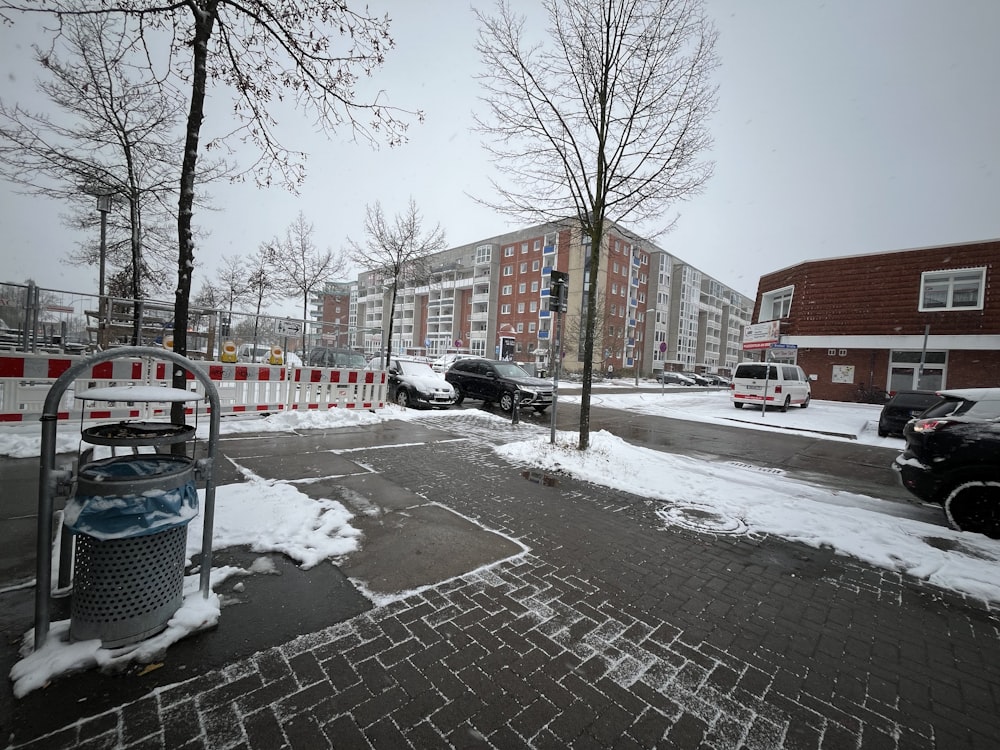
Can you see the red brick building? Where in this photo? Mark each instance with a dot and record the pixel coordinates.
(925, 318)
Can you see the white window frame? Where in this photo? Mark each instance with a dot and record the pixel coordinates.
(508, 251)
(945, 281)
(505, 309)
(507, 289)
(783, 297)
(508, 270)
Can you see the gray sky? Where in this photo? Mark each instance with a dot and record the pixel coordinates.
(843, 128)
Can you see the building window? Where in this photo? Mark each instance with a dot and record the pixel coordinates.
(534, 286)
(538, 245)
(522, 288)
(520, 327)
(520, 307)
(531, 327)
(533, 307)
(505, 309)
(508, 270)
(483, 253)
(524, 248)
(614, 310)
(524, 268)
(507, 289)
(952, 290)
(775, 305)
(534, 265)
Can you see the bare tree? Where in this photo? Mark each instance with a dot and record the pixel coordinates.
(301, 268)
(309, 50)
(607, 124)
(114, 132)
(395, 252)
(262, 285)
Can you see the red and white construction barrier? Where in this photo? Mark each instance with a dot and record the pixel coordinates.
(25, 380)
(325, 388)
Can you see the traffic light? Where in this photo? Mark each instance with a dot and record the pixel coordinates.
(558, 291)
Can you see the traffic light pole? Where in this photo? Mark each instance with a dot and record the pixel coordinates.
(557, 371)
(558, 295)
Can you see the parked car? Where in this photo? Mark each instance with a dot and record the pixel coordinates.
(950, 458)
(697, 377)
(325, 356)
(494, 381)
(414, 383)
(442, 364)
(770, 384)
(259, 354)
(666, 377)
(717, 380)
(901, 408)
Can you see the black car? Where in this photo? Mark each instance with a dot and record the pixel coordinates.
(950, 459)
(902, 407)
(666, 377)
(698, 378)
(495, 382)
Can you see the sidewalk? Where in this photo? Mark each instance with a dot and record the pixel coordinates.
(540, 616)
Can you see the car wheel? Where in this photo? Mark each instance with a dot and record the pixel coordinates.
(459, 397)
(882, 433)
(975, 506)
(506, 401)
(540, 409)
(402, 398)
(788, 400)
(738, 404)
(805, 404)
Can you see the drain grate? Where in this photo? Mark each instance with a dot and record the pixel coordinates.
(702, 519)
(759, 469)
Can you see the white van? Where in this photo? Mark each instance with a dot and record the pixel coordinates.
(770, 383)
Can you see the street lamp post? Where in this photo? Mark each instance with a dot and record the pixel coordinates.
(103, 205)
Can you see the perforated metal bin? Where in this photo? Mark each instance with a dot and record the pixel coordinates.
(130, 517)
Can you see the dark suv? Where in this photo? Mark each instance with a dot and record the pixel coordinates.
(950, 458)
(901, 408)
(492, 381)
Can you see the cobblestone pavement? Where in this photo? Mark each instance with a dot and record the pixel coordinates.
(612, 631)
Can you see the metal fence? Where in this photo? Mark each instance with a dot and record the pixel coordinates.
(38, 320)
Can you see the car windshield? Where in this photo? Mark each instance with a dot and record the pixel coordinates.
(915, 400)
(417, 369)
(510, 370)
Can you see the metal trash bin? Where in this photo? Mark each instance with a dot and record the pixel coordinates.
(130, 517)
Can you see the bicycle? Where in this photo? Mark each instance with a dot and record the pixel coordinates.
(870, 394)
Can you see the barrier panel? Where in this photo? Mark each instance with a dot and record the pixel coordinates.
(326, 388)
(25, 380)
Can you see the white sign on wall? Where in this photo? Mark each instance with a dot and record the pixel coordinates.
(842, 374)
(761, 335)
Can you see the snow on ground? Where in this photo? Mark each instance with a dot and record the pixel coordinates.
(720, 497)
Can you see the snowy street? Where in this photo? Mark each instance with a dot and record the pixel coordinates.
(625, 591)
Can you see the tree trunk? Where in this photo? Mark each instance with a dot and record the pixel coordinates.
(392, 314)
(596, 237)
(204, 21)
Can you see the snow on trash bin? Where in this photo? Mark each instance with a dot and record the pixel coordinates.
(130, 516)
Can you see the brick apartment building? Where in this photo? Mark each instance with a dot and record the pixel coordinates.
(926, 318)
(490, 298)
